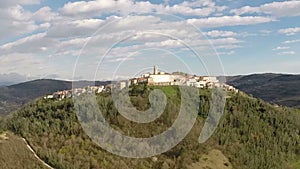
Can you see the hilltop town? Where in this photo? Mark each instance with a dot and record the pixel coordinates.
(157, 78)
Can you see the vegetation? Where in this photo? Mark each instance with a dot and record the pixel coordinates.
(252, 134)
(15, 154)
(281, 89)
(14, 96)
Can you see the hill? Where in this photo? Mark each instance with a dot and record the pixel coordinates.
(252, 134)
(11, 78)
(14, 96)
(281, 89)
(14, 153)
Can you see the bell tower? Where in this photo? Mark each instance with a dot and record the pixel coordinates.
(155, 70)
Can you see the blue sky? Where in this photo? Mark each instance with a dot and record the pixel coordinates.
(107, 39)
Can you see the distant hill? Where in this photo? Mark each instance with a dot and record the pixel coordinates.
(281, 89)
(14, 96)
(11, 78)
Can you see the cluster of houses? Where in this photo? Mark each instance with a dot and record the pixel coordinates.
(75, 92)
(163, 78)
(155, 79)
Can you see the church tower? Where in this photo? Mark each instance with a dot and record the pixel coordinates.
(155, 70)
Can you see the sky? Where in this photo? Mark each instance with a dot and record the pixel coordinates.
(119, 39)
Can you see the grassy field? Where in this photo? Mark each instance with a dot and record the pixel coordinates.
(296, 165)
(15, 154)
(214, 159)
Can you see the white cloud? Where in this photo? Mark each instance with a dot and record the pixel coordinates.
(16, 21)
(177, 9)
(287, 53)
(290, 31)
(66, 30)
(244, 10)
(265, 32)
(281, 48)
(228, 21)
(15, 62)
(8, 3)
(74, 28)
(75, 41)
(22, 41)
(37, 43)
(226, 53)
(222, 41)
(194, 8)
(124, 7)
(228, 46)
(278, 9)
(218, 33)
(291, 41)
(81, 7)
(45, 14)
(99, 7)
(66, 37)
(18, 13)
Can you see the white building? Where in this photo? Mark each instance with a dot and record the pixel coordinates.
(100, 89)
(210, 79)
(163, 78)
(160, 79)
(122, 85)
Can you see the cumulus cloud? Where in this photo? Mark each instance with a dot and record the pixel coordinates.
(74, 28)
(196, 8)
(124, 7)
(218, 33)
(277, 9)
(228, 21)
(15, 20)
(62, 32)
(290, 31)
(88, 7)
(45, 14)
(8, 3)
(37, 43)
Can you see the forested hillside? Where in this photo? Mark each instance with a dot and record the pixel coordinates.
(14, 96)
(252, 134)
(282, 89)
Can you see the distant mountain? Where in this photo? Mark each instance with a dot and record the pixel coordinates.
(11, 78)
(14, 96)
(282, 89)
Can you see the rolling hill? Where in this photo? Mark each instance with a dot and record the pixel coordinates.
(252, 134)
(14, 96)
(281, 89)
